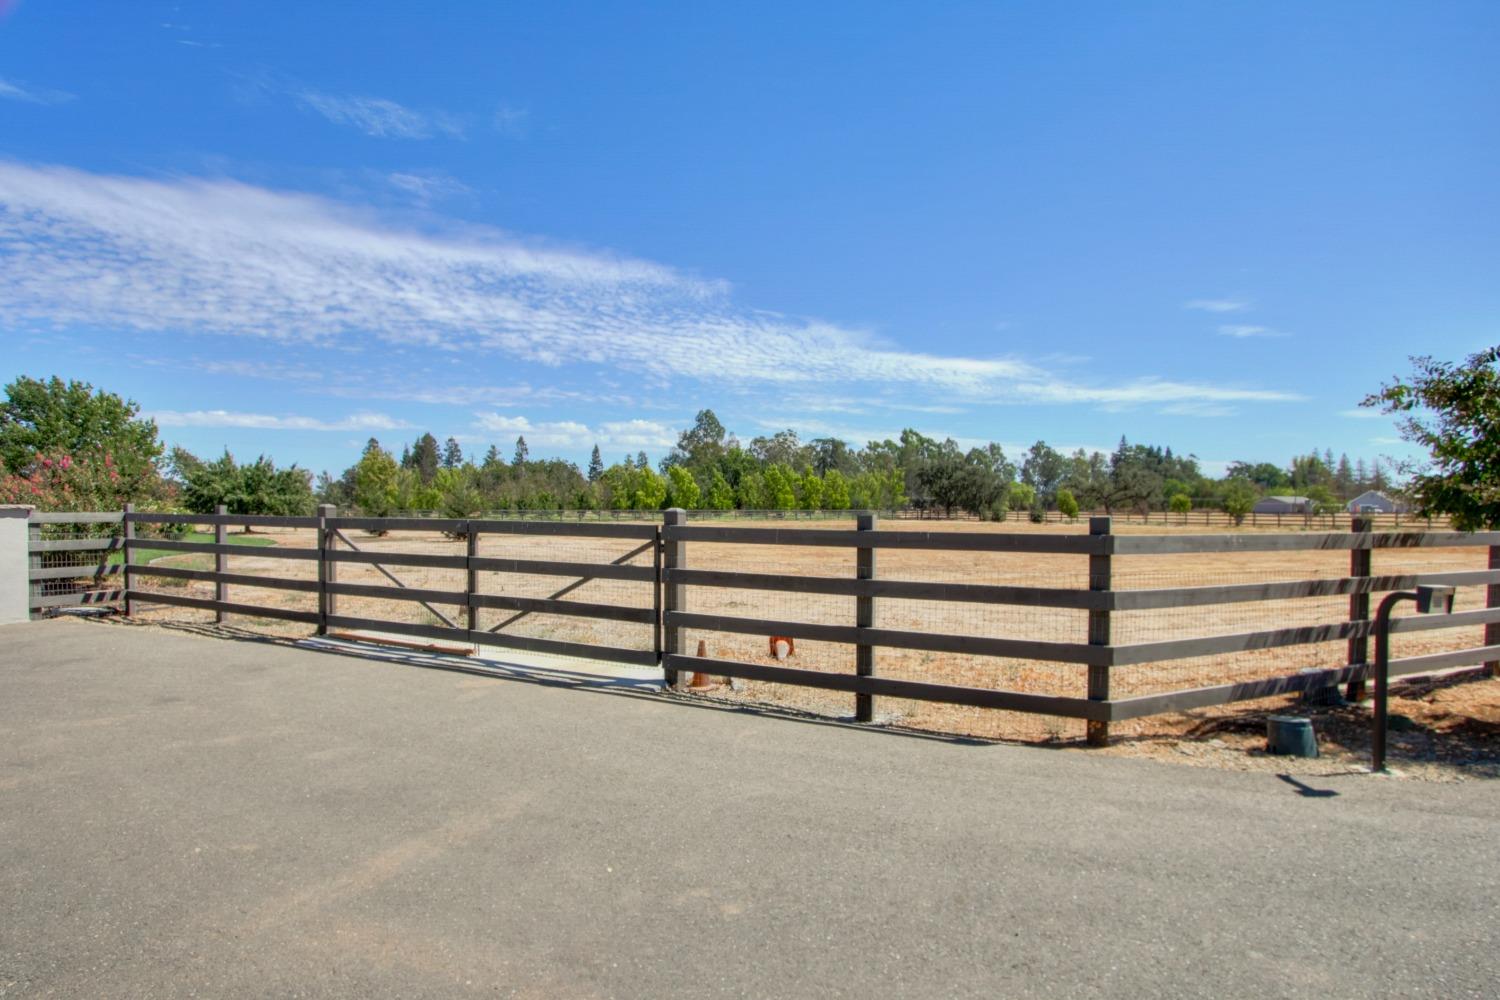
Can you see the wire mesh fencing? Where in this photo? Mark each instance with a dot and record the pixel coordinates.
(1061, 621)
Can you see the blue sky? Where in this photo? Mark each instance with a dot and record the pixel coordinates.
(1210, 225)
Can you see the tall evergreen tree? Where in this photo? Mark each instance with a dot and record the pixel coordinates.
(453, 455)
(522, 454)
(424, 458)
(596, 465)
(1343, 478)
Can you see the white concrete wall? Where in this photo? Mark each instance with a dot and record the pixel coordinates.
(15, 560)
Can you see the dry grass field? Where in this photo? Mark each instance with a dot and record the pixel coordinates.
(1001, 621)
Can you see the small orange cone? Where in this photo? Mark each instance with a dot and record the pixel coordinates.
(701, 681)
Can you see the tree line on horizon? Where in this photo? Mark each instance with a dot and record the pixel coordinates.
(69, 446)
(712, 469)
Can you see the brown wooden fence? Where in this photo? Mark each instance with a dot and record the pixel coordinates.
(664, 559)
(1095, 650)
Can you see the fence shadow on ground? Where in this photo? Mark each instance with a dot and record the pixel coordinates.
(544, 676)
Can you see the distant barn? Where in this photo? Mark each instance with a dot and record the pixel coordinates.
(1372, 502)
(1282, 505)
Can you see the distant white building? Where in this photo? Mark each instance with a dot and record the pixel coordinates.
(1371, 502)
(1282, 505)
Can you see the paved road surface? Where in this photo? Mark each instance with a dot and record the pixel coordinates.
(190, 816)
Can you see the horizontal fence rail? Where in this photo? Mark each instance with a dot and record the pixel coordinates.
(94, 559)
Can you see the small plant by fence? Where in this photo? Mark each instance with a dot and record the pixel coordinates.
(1091, 623)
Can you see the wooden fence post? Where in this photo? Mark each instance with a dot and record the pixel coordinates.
(864, 617)
(221, 561)
(471, 575)
(328, 570)
(127, 528)
(1492, 630)
(1100, 573)
(674, 556)
(1360, 562)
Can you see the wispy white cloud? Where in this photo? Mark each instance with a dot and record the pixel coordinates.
(511, 121)
(1245, 330)
(222, 257)
(273, 422)
(380, 117)
(425, 188)
(1192, 408)
(1362, 413)
(572, 434)
(1216, 305)
(13, 91)
(1155, 392)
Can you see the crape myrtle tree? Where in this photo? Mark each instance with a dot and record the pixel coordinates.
(66, 445)
(1453, 411)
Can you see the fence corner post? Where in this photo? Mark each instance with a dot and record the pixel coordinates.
(471, 575)
(327, 568)
(1492, 630)
(1100, 581)
(17, 559)
(1360, 563)
(221, 560)
(674, 556)
(127, 535)
(864, 617)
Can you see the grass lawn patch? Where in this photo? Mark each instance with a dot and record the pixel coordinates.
(143, 556)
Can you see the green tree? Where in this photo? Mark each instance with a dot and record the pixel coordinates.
(1043, 470)
(650, 490)
(376, 482)
(1021, 496)
(1323, 500)
(682, 489)
(720, 494)
(941, 476)
(1180, 503)
(752, 493)
(781, 491)
(835, 490)
(1263, 474)
(1239, 498)
(701, 446)
(596, 465)
(73, 419)
(1067, 504)
(810, 490)
(423, 458)
(523, 453)
(458, 497)
(781, 448)
(453, 455)
(255, 488)
(1452, 410)
(831, 454)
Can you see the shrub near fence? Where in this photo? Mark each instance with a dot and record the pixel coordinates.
(1091, 635)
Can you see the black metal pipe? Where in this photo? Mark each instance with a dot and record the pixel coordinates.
(1382, 675)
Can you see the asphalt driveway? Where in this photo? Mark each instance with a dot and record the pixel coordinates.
(183, 815)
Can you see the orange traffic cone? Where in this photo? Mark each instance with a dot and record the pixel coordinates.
(701, 681)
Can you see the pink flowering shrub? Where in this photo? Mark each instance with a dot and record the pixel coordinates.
(63, 482)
